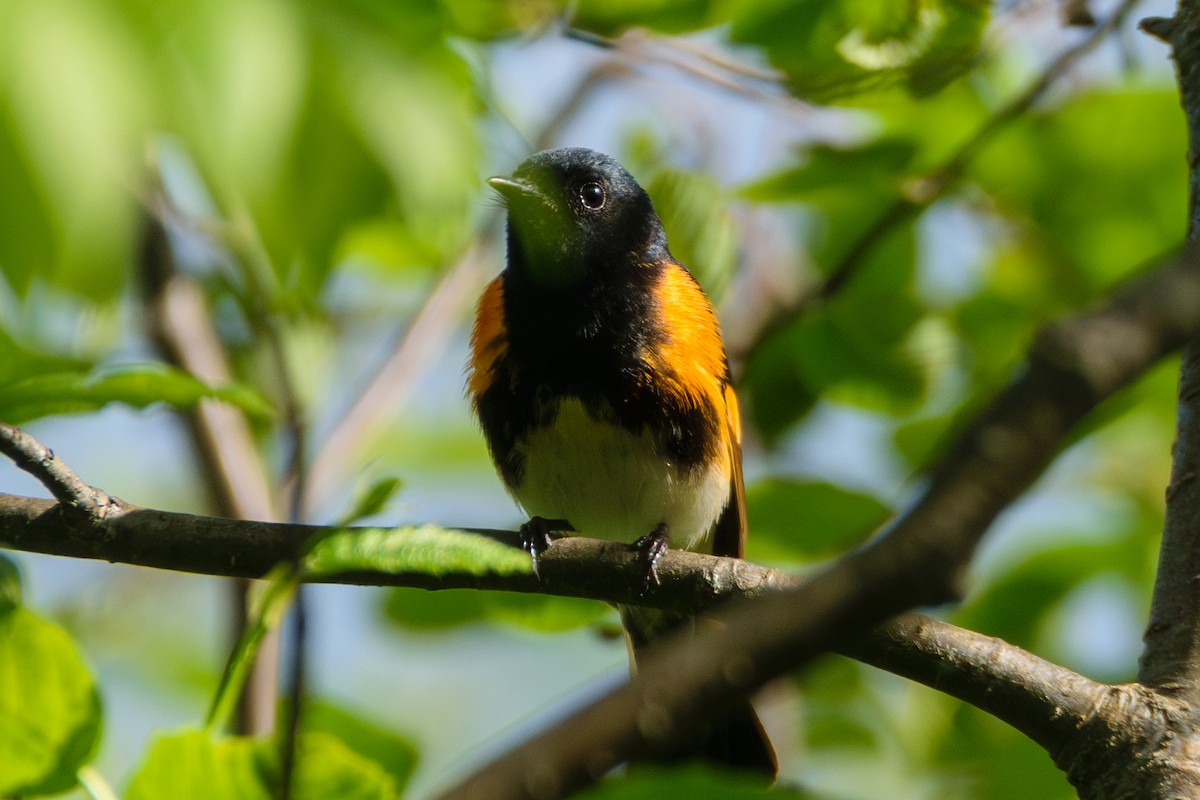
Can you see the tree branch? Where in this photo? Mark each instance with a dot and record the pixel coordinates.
(1171, 659)
(1044, 701)
(62, 482)
(1074, 366)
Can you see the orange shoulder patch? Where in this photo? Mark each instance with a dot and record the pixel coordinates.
(692, 354)
(489, 338)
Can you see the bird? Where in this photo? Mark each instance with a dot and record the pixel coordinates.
(599, 377)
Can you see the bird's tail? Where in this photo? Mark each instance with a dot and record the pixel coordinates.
(736, 739)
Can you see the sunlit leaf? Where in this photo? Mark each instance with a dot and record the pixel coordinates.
(803, 521)
(265, 613)
(48, 703)
(834, 49)
(694, 782)
(420, 610)
(391, 751)
(195, 764)
(138, 386)
(425, 549)
(72, 114)
(371, 500)
(1057, 173)
(667, 16)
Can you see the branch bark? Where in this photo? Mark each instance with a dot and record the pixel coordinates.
(1074, 366)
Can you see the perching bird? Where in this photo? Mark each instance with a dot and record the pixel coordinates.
(600, 380)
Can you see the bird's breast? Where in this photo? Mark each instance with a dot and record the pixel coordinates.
(614, 482)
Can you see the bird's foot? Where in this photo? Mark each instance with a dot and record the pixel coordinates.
(650, 549)
(536, 537)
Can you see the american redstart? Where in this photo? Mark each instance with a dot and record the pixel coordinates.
(599, 377)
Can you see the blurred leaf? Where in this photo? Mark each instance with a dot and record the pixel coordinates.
(835, 48)
(10, 584)
(265, 613)
(699, 227)
(1013, 607)
(194, 764)
(48, 703)
(695, 782)
(855, 349)
(1093, 216)
(919, 440)
(663, 16)
(421, 610)
(372, 500)
(807, 520)
(72, 114)
(138, 386)
(425, 549)
(1002, 762)
(839, 176)
(18, 361)
(394, 753)
(839, 713)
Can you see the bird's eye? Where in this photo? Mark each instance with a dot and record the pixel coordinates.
(592, 196)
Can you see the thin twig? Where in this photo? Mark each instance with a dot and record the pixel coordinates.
(61, 481)
(233, 471)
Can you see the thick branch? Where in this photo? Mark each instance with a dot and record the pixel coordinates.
(1044, 701)
(1171, 660)
(1074, 366)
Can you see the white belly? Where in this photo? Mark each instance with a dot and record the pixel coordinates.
(611, 484)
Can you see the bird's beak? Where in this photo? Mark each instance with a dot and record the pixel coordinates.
(513, 189)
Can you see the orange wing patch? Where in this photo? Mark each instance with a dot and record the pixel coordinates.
(690, 364)
(489, 338)
(690, 360)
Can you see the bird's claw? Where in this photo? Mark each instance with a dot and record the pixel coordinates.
(537, 536)
(650, 549)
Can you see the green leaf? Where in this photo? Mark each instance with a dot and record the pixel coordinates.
(1090, 217)
(695, 782)
(860, 349)
(836, 48)
(10, 584)
(698, 223)
(372, 500)
(421, 610)
(17, 361)
(194, 765)
(139, 386)
(72, 121)
(805, 521)
(425, 550)
(611, 17)
(394, 753)
(265, 614)
(49, 706)
(1014, 606)
(839, 176)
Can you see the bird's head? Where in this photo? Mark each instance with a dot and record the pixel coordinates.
(574, 213)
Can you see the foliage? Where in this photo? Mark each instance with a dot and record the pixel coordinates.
(318, 168)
